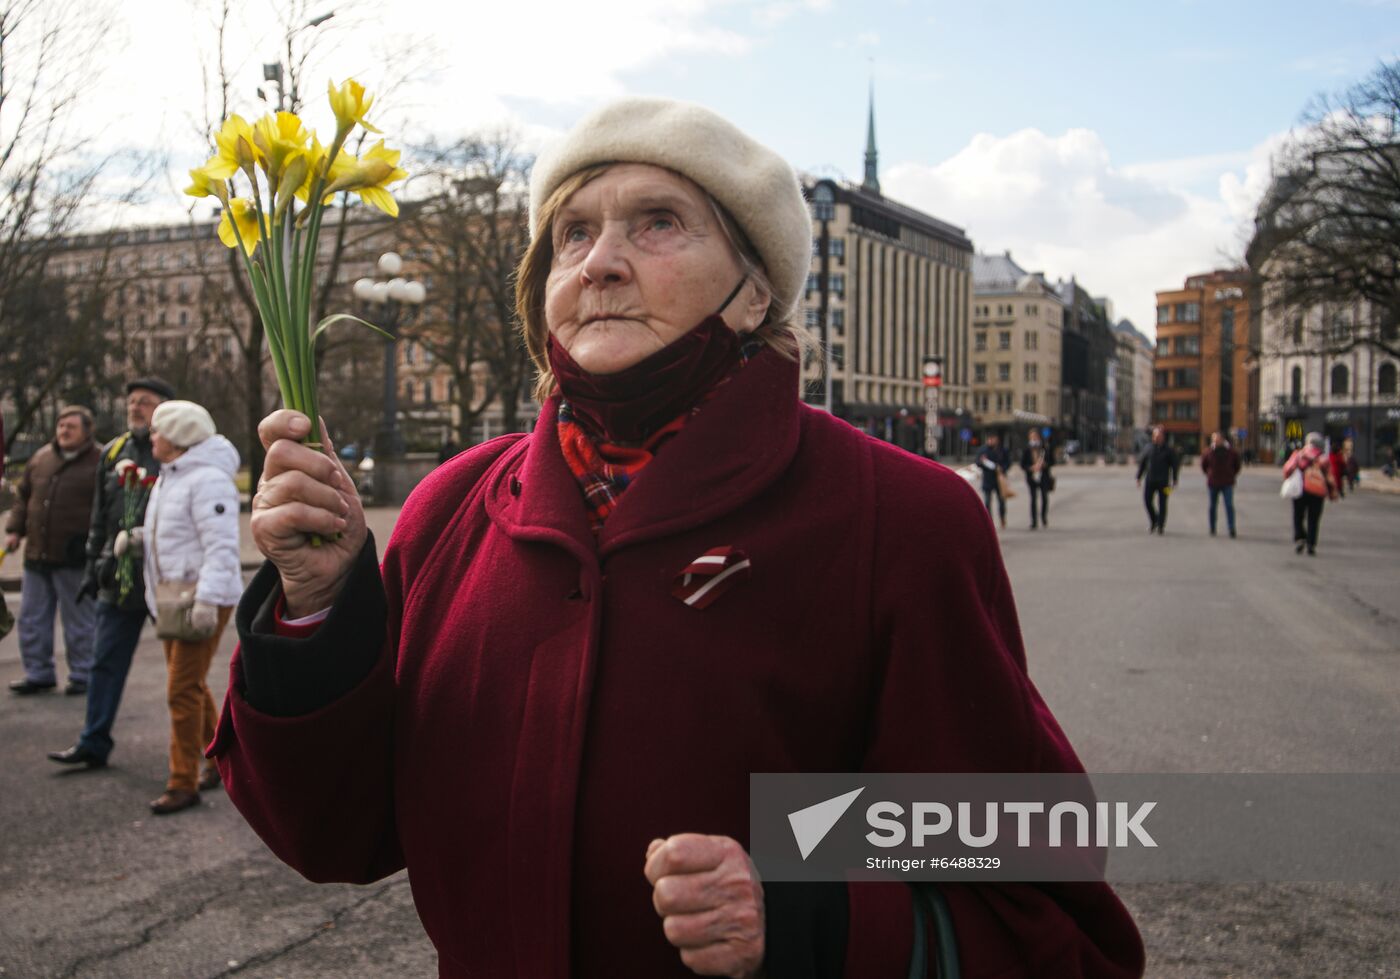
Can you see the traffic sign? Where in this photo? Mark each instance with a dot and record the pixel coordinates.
(965, 434)
(933, 372)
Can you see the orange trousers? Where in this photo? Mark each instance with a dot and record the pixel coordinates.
(192, 708)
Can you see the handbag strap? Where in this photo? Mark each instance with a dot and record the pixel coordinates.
(930, 904)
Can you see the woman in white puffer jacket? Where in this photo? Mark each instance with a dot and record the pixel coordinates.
(191, 534)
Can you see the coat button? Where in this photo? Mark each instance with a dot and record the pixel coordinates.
(514, 486)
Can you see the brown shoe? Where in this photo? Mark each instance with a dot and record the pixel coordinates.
(173, 800)
(210, 779)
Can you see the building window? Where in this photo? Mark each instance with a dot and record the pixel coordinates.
(1296, 386)
(838, 319)
(1004, 340)
(408, 352)
(1385, 379)
(837, 248)
(1297, 331)
(1003, 372)
(1186, 377)
(408, 392)
(979, 341)
(813, 280)
(838, 285)
(979, 401)
(1340, 377)
(1164, 346)
(1227, 326)
(1161, 379)
(1032, 340)
(812, 317)
(184, 318)
(1188, 346)
(979, 373)
(1188, 312)
(1029, 402)
(1031, 372)
(1183, 410)
(1164, 314)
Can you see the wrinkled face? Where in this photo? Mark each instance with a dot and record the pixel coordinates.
(140, 405)
(639, 261)
(163, 449)
(71, 433)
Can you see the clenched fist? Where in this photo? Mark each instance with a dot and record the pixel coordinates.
(710, 899)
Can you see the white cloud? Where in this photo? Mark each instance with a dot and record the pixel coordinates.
(1062, 207)
(773, 14)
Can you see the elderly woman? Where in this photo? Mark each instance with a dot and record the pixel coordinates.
(547, 701)
(1319, 484)
(191, 535)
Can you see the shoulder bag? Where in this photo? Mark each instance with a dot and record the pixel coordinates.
(174, 601)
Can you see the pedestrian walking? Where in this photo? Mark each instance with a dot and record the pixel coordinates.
(1318, 485)
(993, 461)
(1221, 464)
(1337, 464)
(480, 709)
(115, 584)
(1162, 467)
(1351, 466)
(1036, 463)
(190, 538)
(51, 516)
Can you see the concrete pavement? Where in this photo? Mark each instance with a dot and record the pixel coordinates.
(1174, 653)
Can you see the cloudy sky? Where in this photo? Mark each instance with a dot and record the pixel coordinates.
(1124, 142)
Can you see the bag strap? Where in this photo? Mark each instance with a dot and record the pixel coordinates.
(929, 900)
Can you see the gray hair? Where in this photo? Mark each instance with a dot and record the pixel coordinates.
(1315, 440)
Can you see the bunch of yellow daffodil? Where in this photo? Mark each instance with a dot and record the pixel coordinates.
(291, 179)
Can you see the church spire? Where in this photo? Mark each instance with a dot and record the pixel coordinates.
(872, 156)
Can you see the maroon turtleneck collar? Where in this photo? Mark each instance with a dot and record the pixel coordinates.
(630, 405)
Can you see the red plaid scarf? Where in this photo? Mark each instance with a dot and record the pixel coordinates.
(604, 469)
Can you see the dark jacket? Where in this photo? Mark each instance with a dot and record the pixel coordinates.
(1161, 464)
(512, 675)
(53, 505)
(991, 460)
(1047, 463)
(1221, 466)
(108, 511)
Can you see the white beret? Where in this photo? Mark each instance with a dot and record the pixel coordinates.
(755, 185)
(182, 423)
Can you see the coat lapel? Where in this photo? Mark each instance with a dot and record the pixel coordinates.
(737, 445)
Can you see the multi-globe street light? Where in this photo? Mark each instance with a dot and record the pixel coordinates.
(393, 299)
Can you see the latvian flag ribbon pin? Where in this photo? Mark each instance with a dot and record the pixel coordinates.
(707, 577)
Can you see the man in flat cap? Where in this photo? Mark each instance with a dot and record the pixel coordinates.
(119, 616)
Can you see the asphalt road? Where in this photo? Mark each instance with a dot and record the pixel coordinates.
(1172, 654)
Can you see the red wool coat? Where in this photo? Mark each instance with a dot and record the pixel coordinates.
(544, 706)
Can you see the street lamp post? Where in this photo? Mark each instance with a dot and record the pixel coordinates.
(396, 297)
(275, 73)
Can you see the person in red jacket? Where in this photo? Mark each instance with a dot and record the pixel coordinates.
(1221, 464)
(546, 702)
(1318, 485)
(1337, 464)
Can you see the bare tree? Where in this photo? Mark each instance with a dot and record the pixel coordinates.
(468, 230)
(50, 171)
(1326, 244)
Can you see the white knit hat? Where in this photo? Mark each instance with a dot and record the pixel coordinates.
(754, 184)
(182, 423)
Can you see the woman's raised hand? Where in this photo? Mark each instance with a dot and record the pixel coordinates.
(305, 492)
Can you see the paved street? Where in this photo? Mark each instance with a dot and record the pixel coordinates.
(1173, 654)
